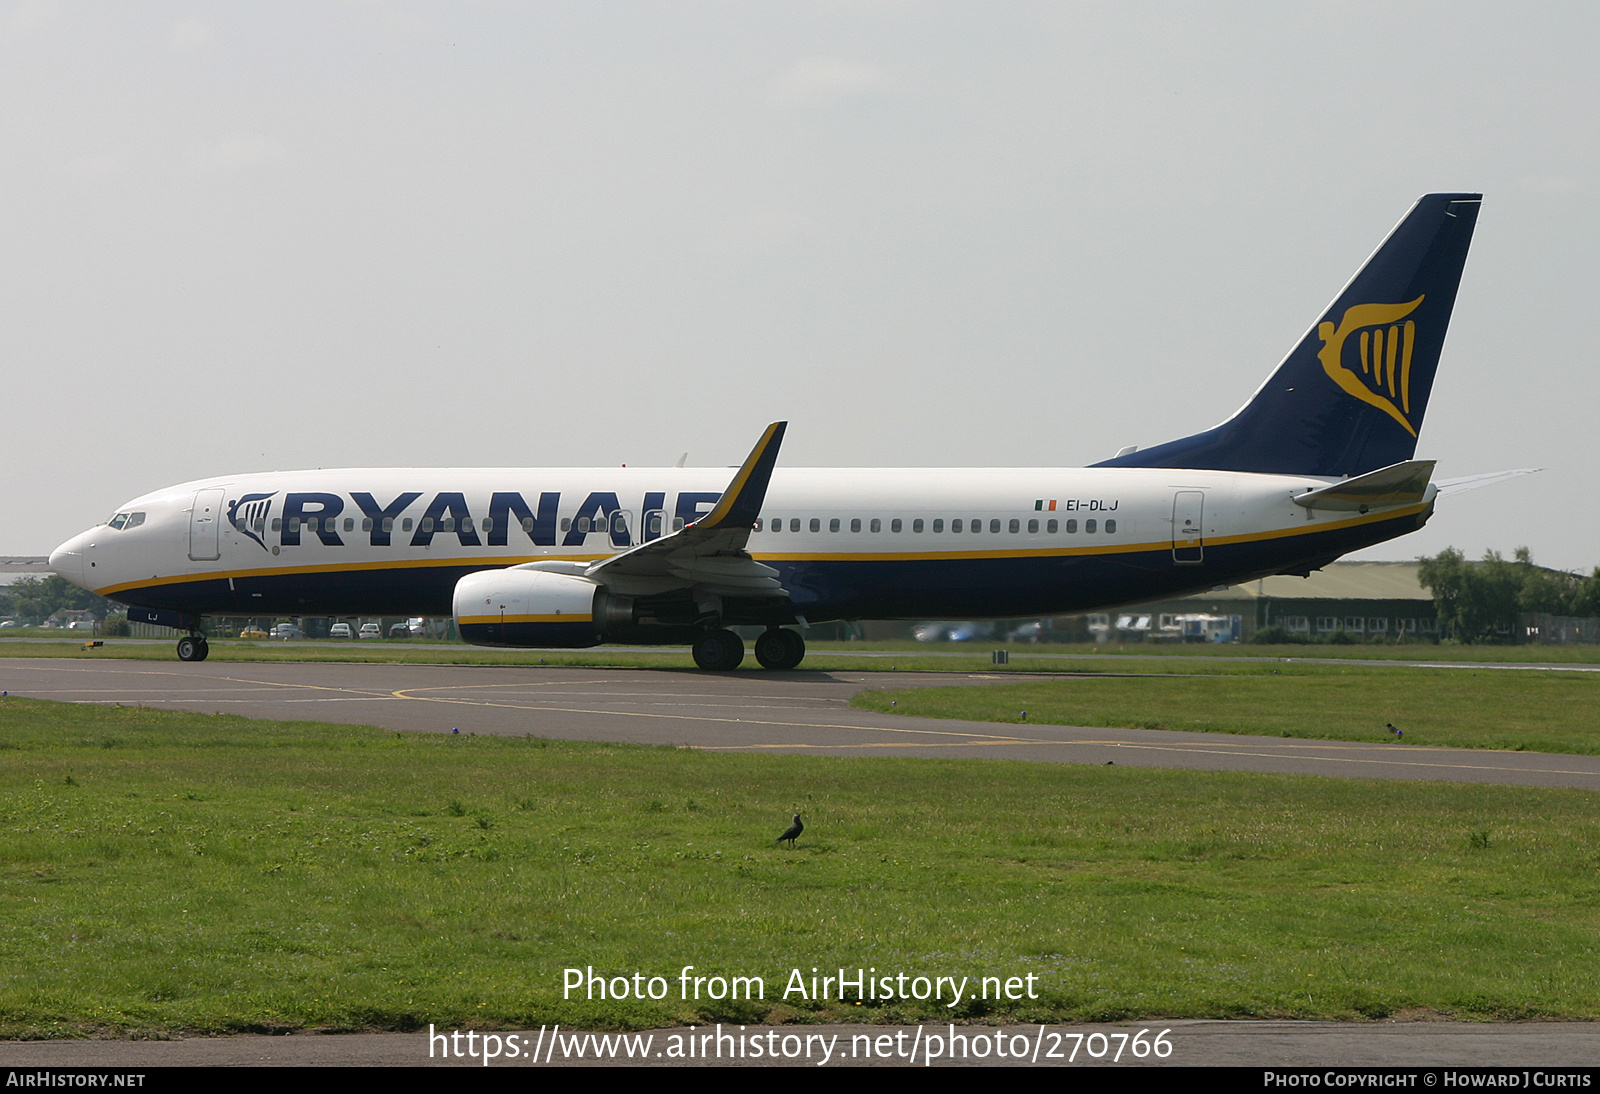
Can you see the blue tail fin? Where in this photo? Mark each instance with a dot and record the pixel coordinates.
(1350, 397)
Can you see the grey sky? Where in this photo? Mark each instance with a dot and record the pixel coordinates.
(253, 236)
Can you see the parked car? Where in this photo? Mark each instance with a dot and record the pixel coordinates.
(252, 632)
(401, 629)
(285, 631)
(340, 630)
(370, 630)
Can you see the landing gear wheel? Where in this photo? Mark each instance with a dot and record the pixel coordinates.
(193, 648)
(718, 651)
(780, 649)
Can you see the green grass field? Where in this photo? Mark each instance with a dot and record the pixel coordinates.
(1527, 710)
(821, 656)
(164, 871)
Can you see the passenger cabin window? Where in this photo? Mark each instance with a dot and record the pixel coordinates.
(816, 524)
(916, 525)
(1033, 527)
(955, 525)
(894, 525)
(833, 525)
(350, 524)
(1088, 527)
(366, 523)
(566, 524)
(448, 524)
(583, 524)
(405, 525)
(1015, 526)
(388, 524)
(938, 524)
(977, 525)
(877, 525)
(994, 525)
(855, 524)
(488, 524)
(277, 524)
(1072, 527)
(527, 525)
(427, 524)
(1111, 527)
(1051, 527)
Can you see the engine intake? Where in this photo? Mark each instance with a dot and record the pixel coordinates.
(532, 608)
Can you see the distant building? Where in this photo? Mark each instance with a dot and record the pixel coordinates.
(1362, 600)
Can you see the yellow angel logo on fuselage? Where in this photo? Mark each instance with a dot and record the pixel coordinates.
(1385, 348)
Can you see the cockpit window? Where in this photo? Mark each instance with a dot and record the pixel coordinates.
(118, 521)
(134, 520)
(126, 520)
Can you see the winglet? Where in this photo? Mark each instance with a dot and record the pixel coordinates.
(741, 502)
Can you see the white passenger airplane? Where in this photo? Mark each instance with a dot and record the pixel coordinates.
(1319, 462)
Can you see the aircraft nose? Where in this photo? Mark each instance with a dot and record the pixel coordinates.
(67, 560)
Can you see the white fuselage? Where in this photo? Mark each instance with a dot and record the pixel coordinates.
(850, 543)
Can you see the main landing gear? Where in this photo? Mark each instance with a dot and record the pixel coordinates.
(722, 650)
(718, 651)
(193, 647)
(780, 649)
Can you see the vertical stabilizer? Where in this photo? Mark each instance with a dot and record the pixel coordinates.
(1350, 397)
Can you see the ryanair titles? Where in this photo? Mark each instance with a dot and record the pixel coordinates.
(333, 520)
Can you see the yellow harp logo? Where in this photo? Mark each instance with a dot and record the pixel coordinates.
(1385, 346)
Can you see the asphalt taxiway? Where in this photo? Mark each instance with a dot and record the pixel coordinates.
(793, 712)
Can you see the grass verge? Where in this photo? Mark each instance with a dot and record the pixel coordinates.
(164, 871)
(1532, 711)
(821, 656)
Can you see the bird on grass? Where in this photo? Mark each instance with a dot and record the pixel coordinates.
(792, 833)
(1397, 732)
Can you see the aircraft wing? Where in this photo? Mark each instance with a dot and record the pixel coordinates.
(1472, 482)
(707, 554)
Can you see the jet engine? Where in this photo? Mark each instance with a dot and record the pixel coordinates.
(536, 608)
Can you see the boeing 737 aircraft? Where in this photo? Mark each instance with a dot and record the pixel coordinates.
(1317, 463)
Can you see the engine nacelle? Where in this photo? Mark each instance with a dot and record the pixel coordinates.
(530, 608)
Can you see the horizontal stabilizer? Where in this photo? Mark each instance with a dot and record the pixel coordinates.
(1398, 484)
(1472, 482)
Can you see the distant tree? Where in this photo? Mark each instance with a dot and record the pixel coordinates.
(1586, 596)
(1545, 590)
(36, 599)
(1445, 576)
(1479, 601)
